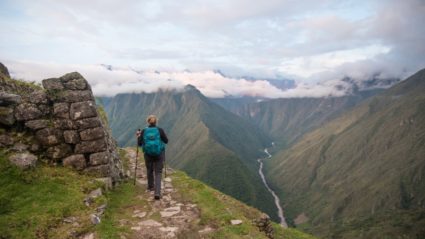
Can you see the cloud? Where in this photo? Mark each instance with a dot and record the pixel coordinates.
(387, 42)
(110, 80)
(308, 66)
(310, 41)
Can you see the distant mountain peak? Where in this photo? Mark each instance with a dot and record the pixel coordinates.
(190, 87)
(374, 82)
(107, 67)
(217, 71)
(192, 90)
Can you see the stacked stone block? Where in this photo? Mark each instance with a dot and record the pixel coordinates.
(65, 122)
(264, 225)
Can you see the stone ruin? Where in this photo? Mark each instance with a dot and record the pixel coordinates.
(64, 123)
(264, 225)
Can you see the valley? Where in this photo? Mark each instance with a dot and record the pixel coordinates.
(206, 141)
(322, 146)
(355, 170)
(269, 119)
(276, 198)
(47, 192)
(362, 172)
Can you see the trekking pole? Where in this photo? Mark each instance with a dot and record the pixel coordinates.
(137, 154)
(165, 166)
(135, 168)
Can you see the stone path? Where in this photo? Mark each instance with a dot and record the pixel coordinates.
(166, 218)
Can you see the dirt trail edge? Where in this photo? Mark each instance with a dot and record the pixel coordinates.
(165, 218)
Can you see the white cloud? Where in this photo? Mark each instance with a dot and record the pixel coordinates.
(313, 40)
(107, 82)
(310, 65)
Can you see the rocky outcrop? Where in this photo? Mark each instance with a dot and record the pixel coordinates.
(4, 70)
(64, 120)
(23, 160)
(264, 225)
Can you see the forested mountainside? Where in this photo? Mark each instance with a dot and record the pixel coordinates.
(206, 141)
(63, 197)
(286, 120)
(361, 174)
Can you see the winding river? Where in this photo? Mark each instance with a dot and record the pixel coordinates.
(276, 198)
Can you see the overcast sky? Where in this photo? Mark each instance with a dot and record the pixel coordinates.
(315, 42)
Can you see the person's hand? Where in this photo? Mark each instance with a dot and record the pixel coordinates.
(138, 133)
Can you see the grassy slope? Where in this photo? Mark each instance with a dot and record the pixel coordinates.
(33, 203)
(200, 143)
(286, 120)
(121, 202)
(18, 86)
(216, 211)
(361, 175)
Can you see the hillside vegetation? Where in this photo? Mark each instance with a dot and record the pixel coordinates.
(286, 120)
(34, 204)
(206, 211)
(362, 174)
(49, 202)
(206, 141)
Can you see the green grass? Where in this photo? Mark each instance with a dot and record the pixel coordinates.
(33, 203)
(124, 159)
(360, 175)
(291, 233)
(21, 87)
(198, 144)
(101, 111)
(121, 203)
(217, 209)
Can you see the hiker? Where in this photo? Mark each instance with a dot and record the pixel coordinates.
(152, 139)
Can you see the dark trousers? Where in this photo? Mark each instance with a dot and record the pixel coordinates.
(154, 167)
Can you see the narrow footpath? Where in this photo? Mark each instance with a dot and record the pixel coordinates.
(165, 218)
(276, 198)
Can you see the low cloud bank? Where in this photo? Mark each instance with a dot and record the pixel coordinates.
(109, 80)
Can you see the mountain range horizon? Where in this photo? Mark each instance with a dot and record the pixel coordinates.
(107, 80)
(348, 166)
(285, 121)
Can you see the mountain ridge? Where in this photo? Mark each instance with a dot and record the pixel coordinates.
(206, 141)
(285, 120)
(360, 173)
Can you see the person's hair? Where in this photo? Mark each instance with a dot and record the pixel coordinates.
(151, 120)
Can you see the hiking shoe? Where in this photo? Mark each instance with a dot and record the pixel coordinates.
(157, 197)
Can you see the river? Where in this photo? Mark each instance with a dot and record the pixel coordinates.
(276, 198)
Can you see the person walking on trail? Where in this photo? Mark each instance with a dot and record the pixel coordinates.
(152, 139)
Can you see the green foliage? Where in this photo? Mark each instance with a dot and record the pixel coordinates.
(124, 159)
(33, 203)
(28, 84)
(291, 233)
(18, 86)
(361, 174)
(217, 209)
(55, 94)
(206, 141)
(121, 203)
(101, 111)
(286, 120)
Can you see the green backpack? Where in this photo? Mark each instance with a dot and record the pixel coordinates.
(153, 145)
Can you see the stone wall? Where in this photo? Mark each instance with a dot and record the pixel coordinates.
(64, 121)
